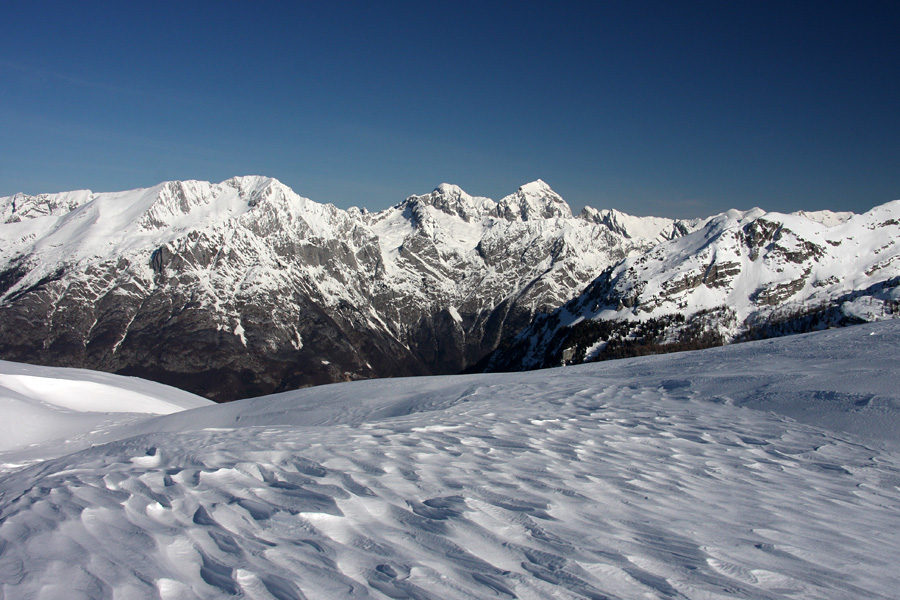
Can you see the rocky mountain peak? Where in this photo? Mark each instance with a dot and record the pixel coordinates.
(453, 200)
(256, 189)
(535, 200)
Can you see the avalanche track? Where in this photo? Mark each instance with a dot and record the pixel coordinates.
(763, 470)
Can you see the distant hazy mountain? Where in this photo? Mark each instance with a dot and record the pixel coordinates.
(245, 288)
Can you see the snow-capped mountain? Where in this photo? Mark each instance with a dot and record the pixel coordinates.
(739, 276)
(766, 470)
(244, 287)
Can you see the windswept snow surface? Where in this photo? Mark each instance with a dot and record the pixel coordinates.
(762, 470)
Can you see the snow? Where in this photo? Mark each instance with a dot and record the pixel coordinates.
(760, 470)
(535, 200)
(45, 406)
(825, 217)
(239, 331)
(85, 396)
(135, 222)
(454, 314)
(593, 350)
(650, 228)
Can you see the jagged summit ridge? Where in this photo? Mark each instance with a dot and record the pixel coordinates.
(532, 201)
(659, 229)
(452, 200)
(535, 200)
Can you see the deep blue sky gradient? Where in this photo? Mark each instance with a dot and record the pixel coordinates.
(667, 108)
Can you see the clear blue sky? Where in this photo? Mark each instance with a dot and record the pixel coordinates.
(667, 108)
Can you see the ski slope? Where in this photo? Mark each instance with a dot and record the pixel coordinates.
(761, 470)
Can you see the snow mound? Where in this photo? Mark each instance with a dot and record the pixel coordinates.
(651, 477)
(47, 403)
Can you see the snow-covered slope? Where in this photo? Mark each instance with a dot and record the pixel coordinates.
(46, 411)
(650, 477)
(741, 274)
(244, 287)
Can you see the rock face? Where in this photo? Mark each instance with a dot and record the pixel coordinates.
(245, 288)
(741, 275)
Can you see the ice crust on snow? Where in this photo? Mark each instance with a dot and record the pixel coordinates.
(760, 470)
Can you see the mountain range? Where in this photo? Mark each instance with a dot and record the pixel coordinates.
(245, 288)
(743, 275)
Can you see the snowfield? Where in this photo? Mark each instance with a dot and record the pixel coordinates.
(762, 470)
